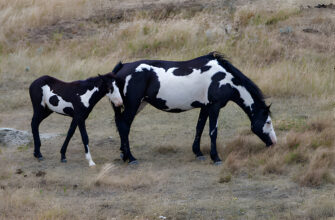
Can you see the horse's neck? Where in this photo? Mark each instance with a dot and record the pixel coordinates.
(248, 106)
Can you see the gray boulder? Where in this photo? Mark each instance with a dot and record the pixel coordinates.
(13, 137)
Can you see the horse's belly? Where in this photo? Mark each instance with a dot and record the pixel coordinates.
(182, 96)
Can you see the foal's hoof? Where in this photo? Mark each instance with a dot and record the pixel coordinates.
(218, 163)
(63, 160)
(201, 158)
(121, 155)
(134, 162)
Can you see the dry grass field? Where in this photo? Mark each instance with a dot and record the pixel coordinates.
(286, 47)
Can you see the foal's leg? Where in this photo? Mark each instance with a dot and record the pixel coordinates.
(213, 123)
(200, 127)
(70, 133)
(40, 114)
(84, 137)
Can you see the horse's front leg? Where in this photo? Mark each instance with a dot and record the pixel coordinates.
(84, 137)
(200, 127)
(123, 122)
(70, 133)
(213, 128)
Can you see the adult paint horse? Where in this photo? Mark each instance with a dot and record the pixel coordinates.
(207, 82)
(75, 99)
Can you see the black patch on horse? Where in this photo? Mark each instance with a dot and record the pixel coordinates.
(197, 104)
(176, 110)
(204, 68)
(182, 71)
(54, 100)
(68, 111)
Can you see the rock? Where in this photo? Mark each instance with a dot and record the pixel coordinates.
(331, 5)
(310, 30)
(285, 30)
(13, 137)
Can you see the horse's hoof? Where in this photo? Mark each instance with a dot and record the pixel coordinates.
(40, 158)
(201, 158)
(134, 162)
(63, 160)
(121, 155)
(218, 163)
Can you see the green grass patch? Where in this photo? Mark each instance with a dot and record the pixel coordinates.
(295, 158)
(23, 148)
(280, 16)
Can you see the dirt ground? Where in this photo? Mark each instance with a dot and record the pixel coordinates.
(168, 181)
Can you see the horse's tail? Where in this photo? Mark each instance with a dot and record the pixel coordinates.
(117, 68)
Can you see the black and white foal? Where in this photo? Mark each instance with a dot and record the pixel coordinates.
(75, 99)
(207, 82)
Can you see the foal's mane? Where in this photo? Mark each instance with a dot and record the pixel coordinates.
(247, 83)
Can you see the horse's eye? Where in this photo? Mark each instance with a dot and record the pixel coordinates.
(268, 122)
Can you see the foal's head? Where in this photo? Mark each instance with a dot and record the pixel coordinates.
(113, 91)
(261, 125)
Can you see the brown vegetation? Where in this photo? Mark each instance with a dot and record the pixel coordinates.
(286, 47)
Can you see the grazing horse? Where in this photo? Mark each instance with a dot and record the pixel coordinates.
(75, 99)
(207, 82)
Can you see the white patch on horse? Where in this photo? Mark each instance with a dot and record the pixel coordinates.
(180, 92)
(115, 97)
(89, 158)
(244, 94)
(216, 127)
(85, 99)
(268, 129)
(62, 104)
(126, 84)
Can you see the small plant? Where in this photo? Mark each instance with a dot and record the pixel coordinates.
(225, 178)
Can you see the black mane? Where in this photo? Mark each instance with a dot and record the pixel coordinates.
(250, 85)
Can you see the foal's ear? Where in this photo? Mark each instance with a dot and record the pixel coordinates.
(268, 108)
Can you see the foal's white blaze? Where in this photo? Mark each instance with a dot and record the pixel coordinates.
(47, 93)
(268, 129)
(126, 84)
(85, 99)
(115, 96)
(89, 158)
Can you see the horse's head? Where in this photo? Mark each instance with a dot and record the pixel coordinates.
(113, 92)
(261, 125)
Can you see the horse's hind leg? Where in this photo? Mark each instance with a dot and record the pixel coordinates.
(200, 127)
(84, 137)
(213, 123)
(70, 133)
(40, 114)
